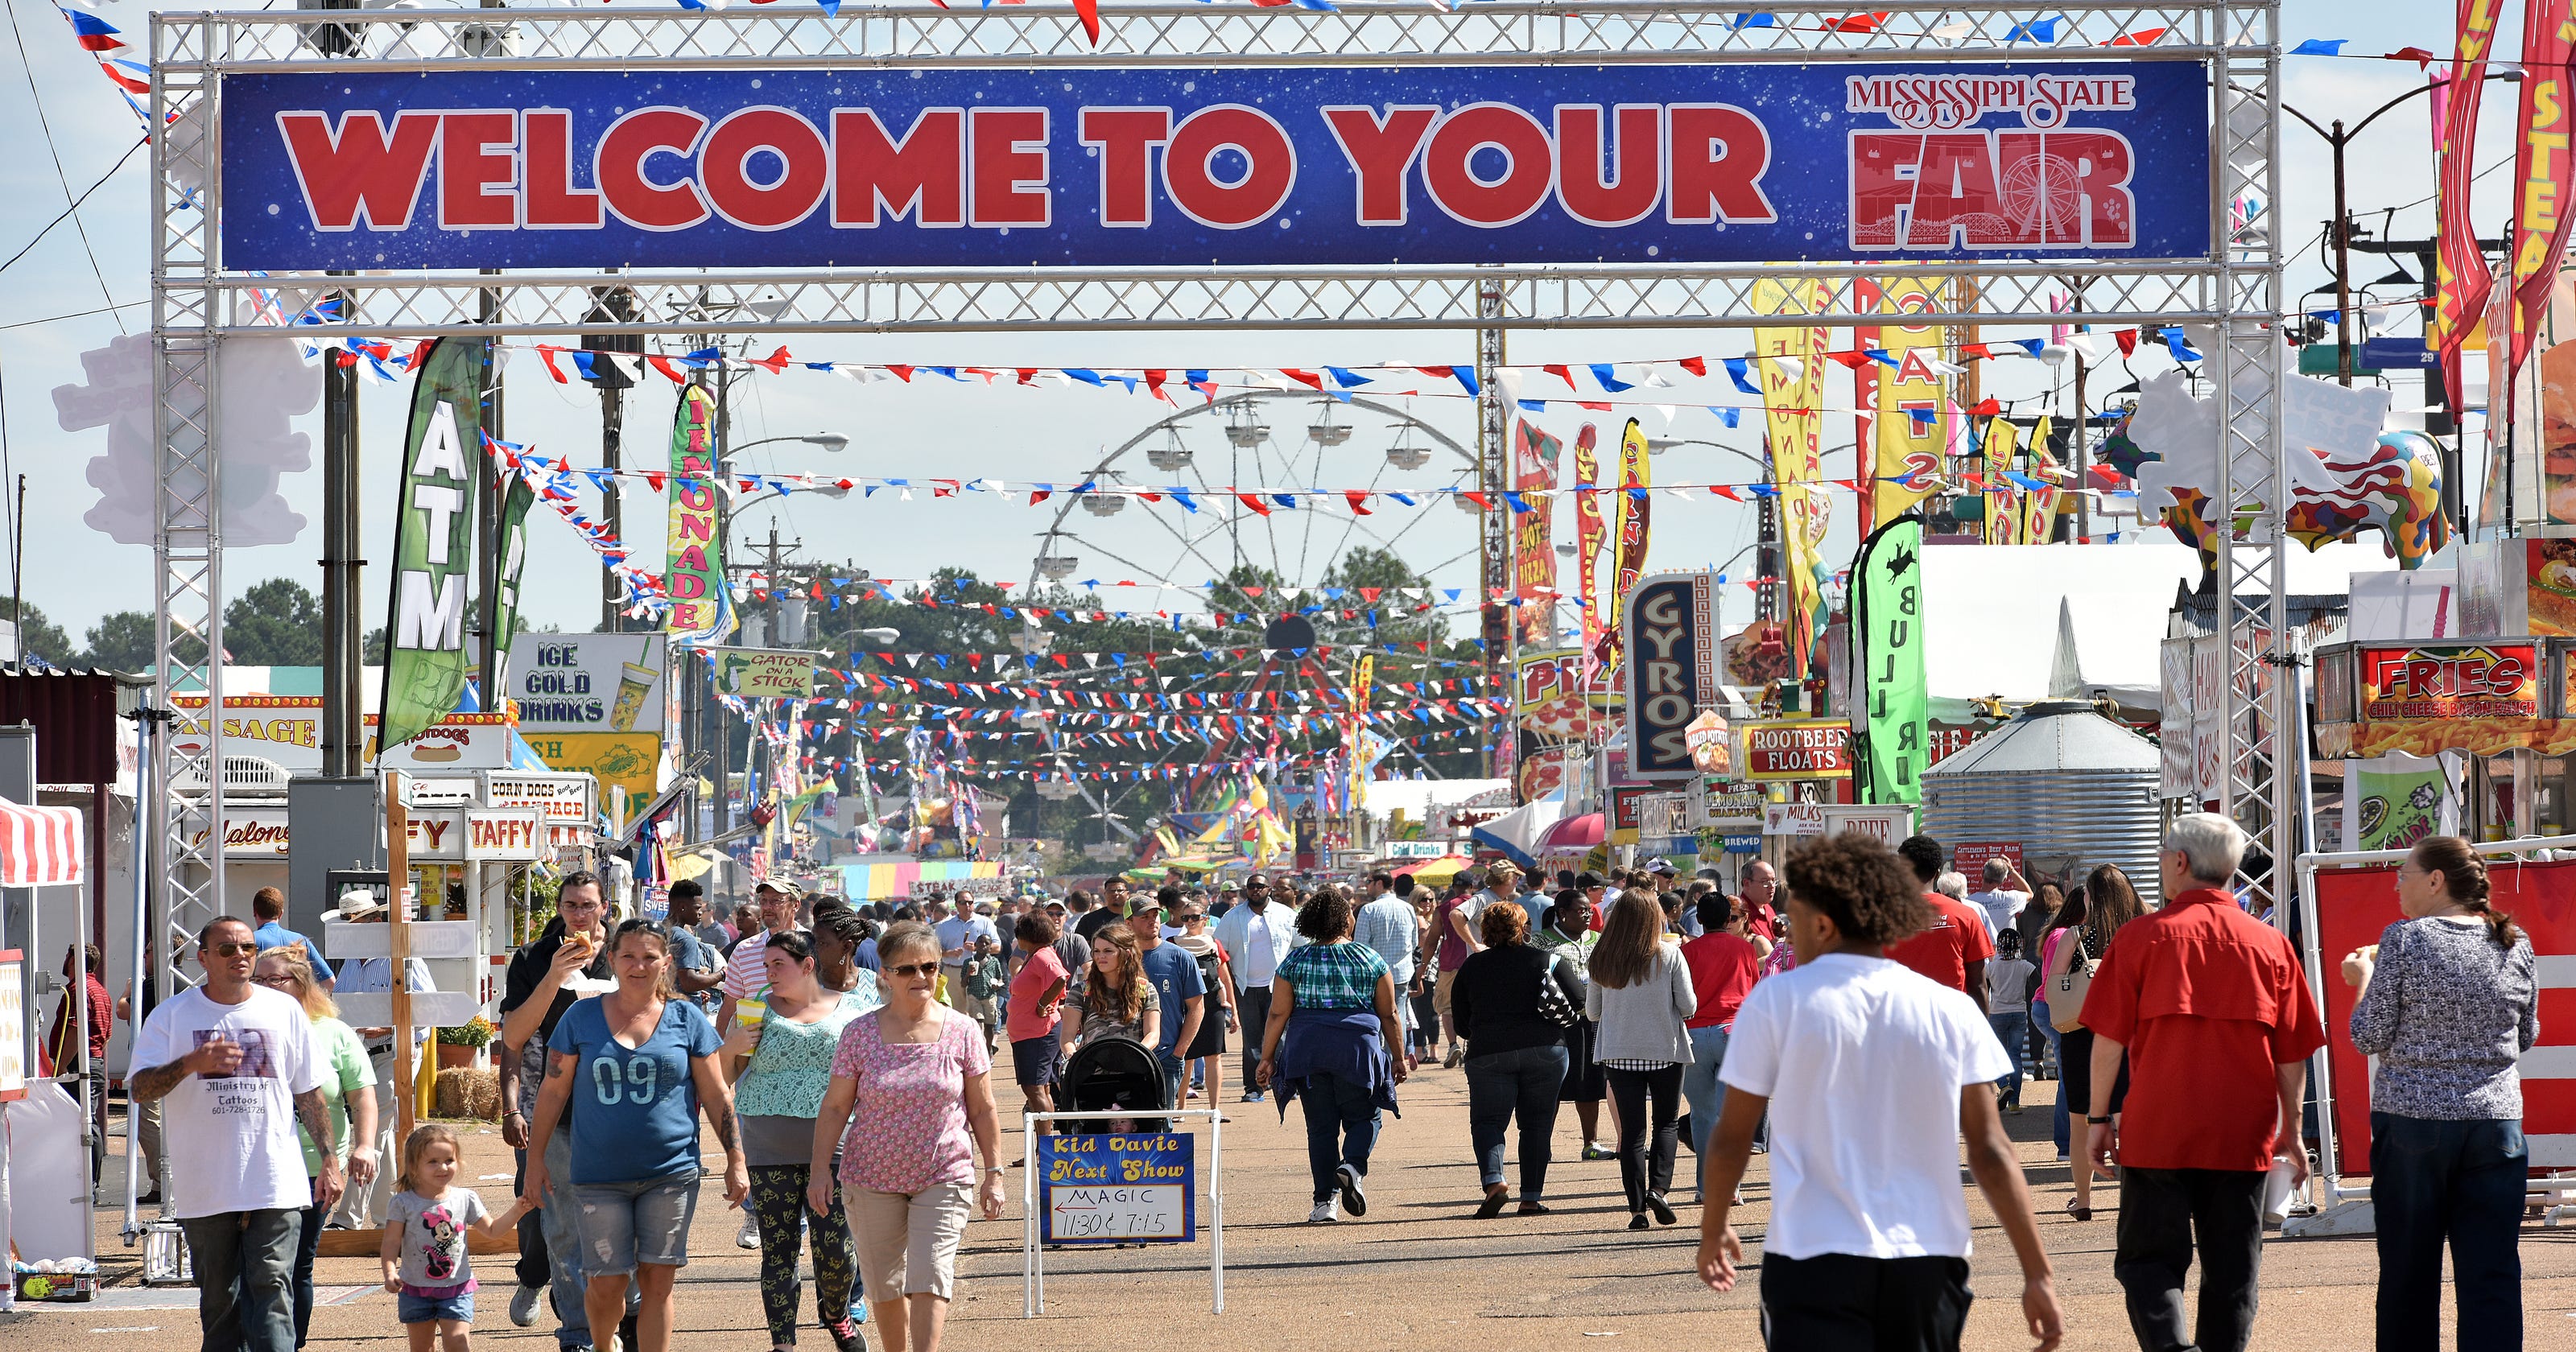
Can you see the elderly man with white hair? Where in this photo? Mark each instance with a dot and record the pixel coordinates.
(2214, 1014)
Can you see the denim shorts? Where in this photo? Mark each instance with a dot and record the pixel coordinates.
(646, 1221)
(411, 1309)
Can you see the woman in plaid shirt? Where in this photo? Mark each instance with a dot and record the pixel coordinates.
(1331, 1009)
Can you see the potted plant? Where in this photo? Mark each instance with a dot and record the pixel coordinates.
(457, 1046)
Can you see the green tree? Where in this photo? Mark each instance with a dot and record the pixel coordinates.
(276, 623)
(373, 647)
(37, 636)
(122, 641)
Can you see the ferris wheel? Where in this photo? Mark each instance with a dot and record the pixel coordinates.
(1265, 440)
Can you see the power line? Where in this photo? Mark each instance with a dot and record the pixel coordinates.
(76, 314)
(66, 215)
(28, 66)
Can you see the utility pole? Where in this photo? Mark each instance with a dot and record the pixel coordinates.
(343, 737)
(614, 305)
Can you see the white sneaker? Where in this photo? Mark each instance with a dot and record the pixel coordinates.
(748, 1237)
(523, 1305)
(1325, 1210)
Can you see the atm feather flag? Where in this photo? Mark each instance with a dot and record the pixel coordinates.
(701, 608)
(425, 658)
(1887, 619)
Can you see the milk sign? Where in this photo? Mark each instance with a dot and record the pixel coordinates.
(1670, 638)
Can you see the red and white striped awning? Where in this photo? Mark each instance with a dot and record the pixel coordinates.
(39, 846)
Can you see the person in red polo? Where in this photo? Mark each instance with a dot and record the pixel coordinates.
(1955, 950)
(2216, 1018)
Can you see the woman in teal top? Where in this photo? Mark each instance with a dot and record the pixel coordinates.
(781, 1069)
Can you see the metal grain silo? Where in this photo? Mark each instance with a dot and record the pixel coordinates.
(2074, 788)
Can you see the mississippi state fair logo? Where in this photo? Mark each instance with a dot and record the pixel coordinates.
(1939, 179)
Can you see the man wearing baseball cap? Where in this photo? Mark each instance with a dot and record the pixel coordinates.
(1257, 935)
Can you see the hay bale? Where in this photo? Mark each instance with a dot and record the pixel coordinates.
(468, 1092)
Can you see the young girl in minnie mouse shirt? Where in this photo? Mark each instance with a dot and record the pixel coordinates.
(426, 1264)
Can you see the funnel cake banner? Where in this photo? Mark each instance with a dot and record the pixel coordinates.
(1435, 164)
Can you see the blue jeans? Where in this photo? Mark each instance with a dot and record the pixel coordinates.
(244, 1262)
(2461, 1181)
(1701, 1089)
(1341, 1127)
(1176, 1077)
(2059, 1123)
(301, 1283)
(2013, 1030)
(1502, 1085)
(625, 1225)
(569, 1279)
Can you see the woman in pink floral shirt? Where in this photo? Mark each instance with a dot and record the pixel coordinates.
(912, 1092)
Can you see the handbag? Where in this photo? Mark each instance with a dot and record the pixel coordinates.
(2067, 989)
(1552, 1004)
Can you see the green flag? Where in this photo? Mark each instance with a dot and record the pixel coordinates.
(514, 558)
(1887, 628)
(425, 661)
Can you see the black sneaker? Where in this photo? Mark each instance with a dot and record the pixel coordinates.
(1354, 1201)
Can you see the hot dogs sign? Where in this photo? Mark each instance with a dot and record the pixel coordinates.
(1429, 164)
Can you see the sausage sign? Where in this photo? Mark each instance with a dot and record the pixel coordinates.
(1432, 164)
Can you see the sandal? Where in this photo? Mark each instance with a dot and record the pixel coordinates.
(1533, 1208)
(1492, 1206)
(2081, 1213)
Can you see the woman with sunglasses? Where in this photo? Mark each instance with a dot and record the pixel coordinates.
(914, 1083)
(641, 1064)
(348, 1101)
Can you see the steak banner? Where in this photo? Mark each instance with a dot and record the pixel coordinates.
(1429, 164)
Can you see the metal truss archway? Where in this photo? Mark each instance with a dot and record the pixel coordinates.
(198, 303)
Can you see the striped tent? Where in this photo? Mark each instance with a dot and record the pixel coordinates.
(39, 846)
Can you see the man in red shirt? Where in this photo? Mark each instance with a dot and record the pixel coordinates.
(2214, 1014)
(1954, 951)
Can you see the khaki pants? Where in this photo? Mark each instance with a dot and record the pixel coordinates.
(907, 1244)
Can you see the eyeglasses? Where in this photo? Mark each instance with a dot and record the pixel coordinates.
(236, 950)
(914, 969)
(278, 980)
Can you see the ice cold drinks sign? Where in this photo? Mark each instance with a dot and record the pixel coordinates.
(1434, 164)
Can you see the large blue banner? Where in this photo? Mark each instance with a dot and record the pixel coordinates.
(1454, 164)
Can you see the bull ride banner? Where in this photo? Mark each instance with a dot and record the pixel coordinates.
(1887, 621)
(1425, 164)
(425, 657)
(701, 607)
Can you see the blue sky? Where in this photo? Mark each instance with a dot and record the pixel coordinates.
(65, 110)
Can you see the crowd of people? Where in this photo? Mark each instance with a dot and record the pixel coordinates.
(1858, 1024)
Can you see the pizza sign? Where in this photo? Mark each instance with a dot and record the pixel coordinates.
(2450, 681)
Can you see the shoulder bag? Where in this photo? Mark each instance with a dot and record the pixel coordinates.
(2066, 990)
(1552, 1004)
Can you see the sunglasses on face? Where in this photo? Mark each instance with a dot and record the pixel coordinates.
(232, 950)
(915, 969)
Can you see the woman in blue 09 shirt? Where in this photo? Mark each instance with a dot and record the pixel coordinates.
(643, 1064)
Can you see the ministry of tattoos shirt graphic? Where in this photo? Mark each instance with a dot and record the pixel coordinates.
(231, 1134)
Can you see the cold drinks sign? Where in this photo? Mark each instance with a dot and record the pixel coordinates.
(1430, 164)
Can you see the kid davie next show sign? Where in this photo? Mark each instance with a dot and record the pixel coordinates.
(1418, 165)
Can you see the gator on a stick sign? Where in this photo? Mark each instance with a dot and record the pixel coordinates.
(1423, 165)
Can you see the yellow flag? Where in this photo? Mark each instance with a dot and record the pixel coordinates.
(2003, 508)
(1790, 360)
(2039, 505)
(1907, 445)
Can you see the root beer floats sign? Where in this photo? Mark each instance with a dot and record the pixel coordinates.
(1423, 164)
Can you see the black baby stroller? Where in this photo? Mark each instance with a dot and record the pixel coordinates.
(1111, 1073)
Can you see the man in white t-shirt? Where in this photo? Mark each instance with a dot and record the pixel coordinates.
(1871, 1073)
(235, 1067)
(2006, 892)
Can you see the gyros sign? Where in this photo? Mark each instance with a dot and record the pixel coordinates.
(1434, 164)
(1670, 633)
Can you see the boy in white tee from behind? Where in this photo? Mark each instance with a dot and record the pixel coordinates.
(1871, 1074)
